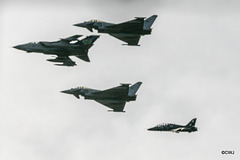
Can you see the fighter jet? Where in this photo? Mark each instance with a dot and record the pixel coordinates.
(190, 127)
(63, 48)
(129, 32)
(114, 98)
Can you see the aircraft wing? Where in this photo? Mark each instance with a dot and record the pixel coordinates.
(115, 92)
(130, 39)
(133, 25)
(116, 105)
(68, 62)
(177, 130)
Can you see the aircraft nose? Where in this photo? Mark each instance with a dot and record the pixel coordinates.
(21, 47)
(67, 91)
(80, 25)
(151, 129)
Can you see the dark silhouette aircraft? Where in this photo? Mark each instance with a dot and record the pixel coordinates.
(190, 127)
(129, 32)
(63, 48)
(114, 98)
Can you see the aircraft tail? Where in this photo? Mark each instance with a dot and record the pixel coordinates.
(89, 40)
(148, 22)
(134, 88)
(192, 123)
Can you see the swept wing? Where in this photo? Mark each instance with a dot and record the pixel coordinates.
(177, 130)
(130, 39)
(116, 105)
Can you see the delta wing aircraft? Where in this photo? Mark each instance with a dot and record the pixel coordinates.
(63, 48)
(190, 127)
(129, 32)
(114, 98)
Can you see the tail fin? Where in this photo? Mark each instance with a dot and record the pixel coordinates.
(89, 40)
(192, 122)
(148, 22)
(134, 88)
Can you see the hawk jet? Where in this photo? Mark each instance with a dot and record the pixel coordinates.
(190, 127)
(114, 98)
(63, 48)
(129, 32)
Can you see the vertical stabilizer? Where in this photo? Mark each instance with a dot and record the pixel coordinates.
(134, 88)
(89, 40)
(192, 123)
(148, 22)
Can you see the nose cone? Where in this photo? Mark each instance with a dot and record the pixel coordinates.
(80, 25)
(20, 47)
(88, 25)
(67, 91)
(151, 129)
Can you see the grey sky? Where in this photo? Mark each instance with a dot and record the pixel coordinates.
(189, 67)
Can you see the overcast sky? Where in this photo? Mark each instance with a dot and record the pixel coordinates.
(189, 67)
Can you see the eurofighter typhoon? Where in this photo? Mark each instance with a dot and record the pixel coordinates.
(190, 127)
(129, 32)
(63, 48)
(114, 98)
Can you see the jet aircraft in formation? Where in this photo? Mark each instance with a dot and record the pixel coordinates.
(190, 127)
(129, 32)
(63, 48)
(114, 98)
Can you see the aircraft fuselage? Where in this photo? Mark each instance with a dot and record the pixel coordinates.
(103, 27)
(52, 49)
(91, 94)
(105, 97)
(173, 128)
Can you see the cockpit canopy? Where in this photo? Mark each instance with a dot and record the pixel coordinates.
(94, 20)
(82, 88)
(32, 44)
(165, 124)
